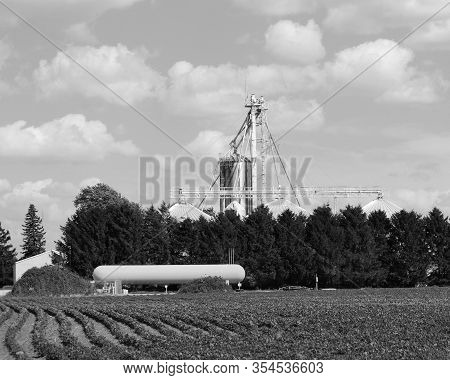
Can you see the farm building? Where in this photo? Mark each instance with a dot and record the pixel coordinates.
(278, 206)
(38, 261)
(237, 208)
(381, 204)
(183, 210)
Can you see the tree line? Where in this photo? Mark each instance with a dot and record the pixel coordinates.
(33, 244)
(348, 249)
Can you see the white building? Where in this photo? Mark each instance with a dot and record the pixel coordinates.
(38, 261)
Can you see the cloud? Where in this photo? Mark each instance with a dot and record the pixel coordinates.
(53, 200)
(124, 71)
(423, 200)
(29, 192)
(4, 185)
(433, 145)
(376, 16)
(206, 91)
(81, 33)
(277, 8)
(393, 79)
(210, 143)
(71, 137)
(286, 112)
(435, 35)
(5, 53)
(294, 42)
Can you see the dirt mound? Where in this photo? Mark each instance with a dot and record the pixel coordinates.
(206, 285)
(50, 281)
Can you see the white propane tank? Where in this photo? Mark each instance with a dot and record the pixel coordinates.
(167, 274)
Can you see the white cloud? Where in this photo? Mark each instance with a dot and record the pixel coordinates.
(376, 16)
(423, 200)
(205, 91)
(29, 192)
(286, 112)
(277, 8)
(70, 138)
(433, 145)
(294, 42)
(4, 185)
(52, 199)
(393, 78)
(80, 33)
(5, 53)
(124, 71)
(435, 35)
(210, 143)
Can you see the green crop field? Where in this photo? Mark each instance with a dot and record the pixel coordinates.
(342, 324)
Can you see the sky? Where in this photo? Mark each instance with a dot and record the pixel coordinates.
(188, 65)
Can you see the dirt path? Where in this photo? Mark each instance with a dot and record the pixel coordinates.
(166, 325)
(190, 324)
(145, 326)
(220, 328)
(52, 331)
(104, 332)
(150, 329)
(24, 337)
(78, 331)
(4, 352)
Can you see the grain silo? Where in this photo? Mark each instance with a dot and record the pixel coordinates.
(237, 208)
(278, 206)
(235, 174)
(381, 204)
(183, 210)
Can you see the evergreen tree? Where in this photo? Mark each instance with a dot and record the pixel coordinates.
(261, 259)
(7, 258)
(361, 266)
(325, 237)
(99, 195)
(230, 232)
(381, 227)
(297, 258)
(437, 243)
(206, 244)
(155, 246)
(410, 259)
(33, 234)
(106, 229)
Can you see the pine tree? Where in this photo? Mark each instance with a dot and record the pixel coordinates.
(437, 243)
(7, 258)
(361, 265)
(33, 234)
(381, 228)
(261, 259)
(298, 260)
(326, 237)
(410, 257)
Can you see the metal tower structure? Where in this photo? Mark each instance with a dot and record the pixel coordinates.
(238, 171)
